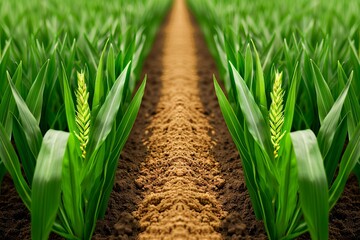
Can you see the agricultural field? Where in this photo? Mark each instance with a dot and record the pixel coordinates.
(179, 119)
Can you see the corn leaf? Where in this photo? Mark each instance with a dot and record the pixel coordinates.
(28, 121)
(99, 92)
(28, 160)
(71, 186)
(329, 125)
(34, 99)
(105, 118)
(46, 186)
(324, 97)
(248, 67)
(291, 101)
(260, 95)
(7, 106)
(122, 134)
(110, 65)
(237, 133)
(348, 161)
(254, 119)
(312, 183)
(12, 164)
(69, 103)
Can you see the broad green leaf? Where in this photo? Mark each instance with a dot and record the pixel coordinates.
(237, 133)
(7, 106)
(69, 103)
(260, 94)
(352, 104)
(329, 125)
(99, 92)
(122, 134)
(104, 120)
(28, 121)
(71, 187)
(34, 99)
(254, 119)
(313, 187)
(324, 97)
(28, 160)
(46, 185)
(288, 187)
(248, 67)
(348, 161)
(12, 164)
(291, 101)
(110, 65)
(331, 161)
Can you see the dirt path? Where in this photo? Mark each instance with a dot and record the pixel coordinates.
(179, 174)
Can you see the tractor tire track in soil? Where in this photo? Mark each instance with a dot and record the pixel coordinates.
(179, 175)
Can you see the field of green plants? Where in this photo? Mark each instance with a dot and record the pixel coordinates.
(71, 90)
(68, 70)
(291, 72)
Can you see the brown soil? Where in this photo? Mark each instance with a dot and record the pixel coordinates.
(179, 176)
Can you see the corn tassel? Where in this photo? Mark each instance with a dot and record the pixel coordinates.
(276, 114)
(82, 114)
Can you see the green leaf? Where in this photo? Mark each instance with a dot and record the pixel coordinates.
(69, 103)
(254, 119)
(46, 186)
(99, 92)
(291, 101)
(348, 161)
(28, 160)
(237, 133)
(34, 99)
(323, 95)
(104, 120)
(352, 104)
(329, 125)
(260, 94)
(71, 187)
(248, 67)
(12, 164)
(110, 64)
(122, 134)
(312, 183)
(7, 106)
(28, 121)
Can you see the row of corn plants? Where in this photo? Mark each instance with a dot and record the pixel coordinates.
(68, 73)
(291, 72)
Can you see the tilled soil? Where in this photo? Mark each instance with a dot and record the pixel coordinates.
(180, 176)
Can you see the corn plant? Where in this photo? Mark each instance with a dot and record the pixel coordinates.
(267, 118)
(76, 192)
(289, 175)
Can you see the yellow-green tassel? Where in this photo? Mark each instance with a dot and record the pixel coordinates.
(276, 114)
(82, 114)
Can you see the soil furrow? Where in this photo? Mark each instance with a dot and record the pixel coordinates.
(179, 174)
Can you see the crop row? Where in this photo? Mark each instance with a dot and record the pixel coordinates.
(70, 66)
(291, 72)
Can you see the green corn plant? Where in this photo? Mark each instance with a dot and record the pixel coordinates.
(282, 182)
(85, 170)
(308, 55)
